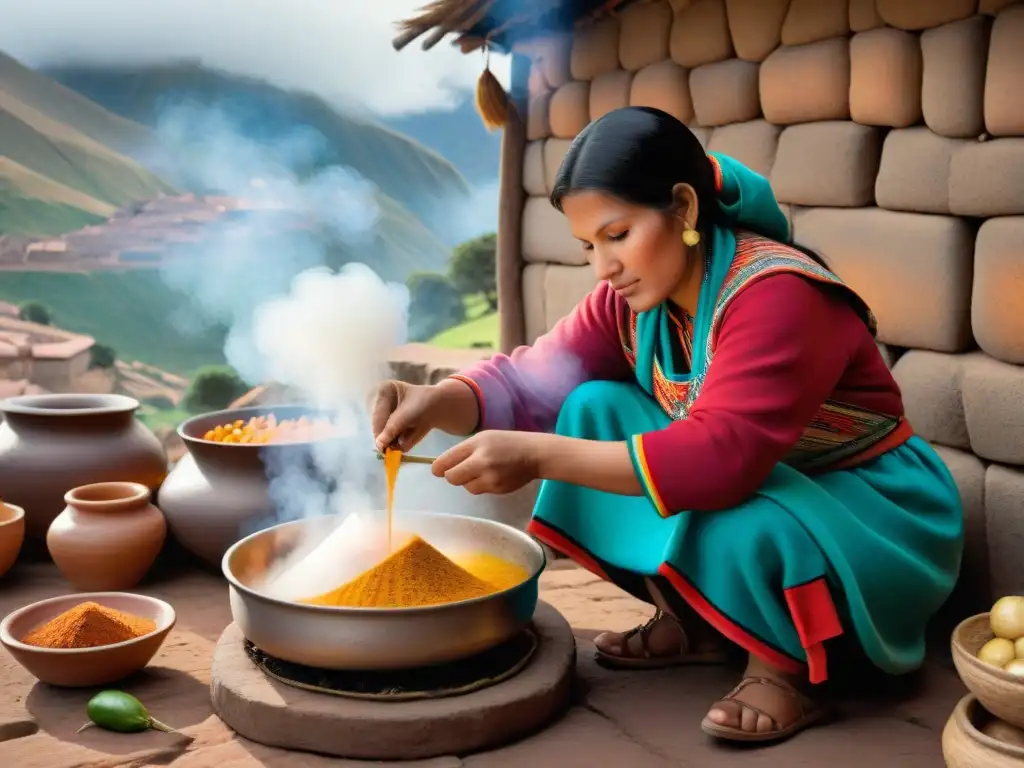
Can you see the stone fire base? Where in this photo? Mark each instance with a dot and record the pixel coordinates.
(271, 713)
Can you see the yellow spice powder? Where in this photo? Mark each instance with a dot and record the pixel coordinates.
(419, 575)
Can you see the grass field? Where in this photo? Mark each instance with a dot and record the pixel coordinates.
(480, 328)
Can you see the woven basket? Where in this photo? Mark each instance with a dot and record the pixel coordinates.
(964, 746)
(999, 692)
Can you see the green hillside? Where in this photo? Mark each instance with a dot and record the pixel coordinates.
(46, 95)
(65, 164)
(418, 178)
(134, 312)
(34, 204)
(58, 171)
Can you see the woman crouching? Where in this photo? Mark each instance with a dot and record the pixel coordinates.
(716, 432)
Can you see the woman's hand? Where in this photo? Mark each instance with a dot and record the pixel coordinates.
(403, 414)
(498, 461)
(495, 461)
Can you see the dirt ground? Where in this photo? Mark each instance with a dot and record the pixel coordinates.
(639, 719)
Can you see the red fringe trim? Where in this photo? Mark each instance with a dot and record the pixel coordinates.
(816, 620)
(726, 626)
(558, 542)
(810, 605)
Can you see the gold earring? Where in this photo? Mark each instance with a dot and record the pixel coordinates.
(691, 237)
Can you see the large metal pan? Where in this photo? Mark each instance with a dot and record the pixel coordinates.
(381, 638)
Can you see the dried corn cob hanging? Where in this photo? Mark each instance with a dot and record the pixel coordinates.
(492, 102)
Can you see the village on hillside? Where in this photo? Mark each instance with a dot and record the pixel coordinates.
(39, 359)
(137, 236)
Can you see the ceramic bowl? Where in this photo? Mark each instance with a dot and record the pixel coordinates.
(965, 746)
(86, 667)
(999, 692)
(12, 534)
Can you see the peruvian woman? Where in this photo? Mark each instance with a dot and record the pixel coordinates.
(715, 430)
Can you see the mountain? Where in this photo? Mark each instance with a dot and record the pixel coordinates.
(457, 134)
(68, 162)
(61, 161)
(297, 129)
(36, 90)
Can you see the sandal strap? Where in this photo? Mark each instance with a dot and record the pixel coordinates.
(804, 704)
(644, 631)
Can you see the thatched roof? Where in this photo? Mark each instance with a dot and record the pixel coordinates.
(497, 22)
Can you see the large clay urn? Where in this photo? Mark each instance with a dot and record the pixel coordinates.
(107, 537)
(50, 444)
(221, 492)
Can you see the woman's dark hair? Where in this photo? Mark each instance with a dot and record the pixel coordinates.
(638, 154)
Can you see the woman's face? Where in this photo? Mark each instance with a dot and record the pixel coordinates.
(638, 250)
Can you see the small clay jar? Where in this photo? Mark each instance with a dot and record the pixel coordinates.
(12, 534)
(107, 537)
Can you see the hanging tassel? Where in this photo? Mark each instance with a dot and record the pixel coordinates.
(492, 102)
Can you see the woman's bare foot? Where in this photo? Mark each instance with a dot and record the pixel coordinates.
(767, 705)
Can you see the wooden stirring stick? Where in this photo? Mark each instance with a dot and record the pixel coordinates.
(407, 459)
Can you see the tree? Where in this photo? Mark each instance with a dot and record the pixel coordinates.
(473, 268)
(213, 388)
(35, 312)
(102, 356)
(434, 305)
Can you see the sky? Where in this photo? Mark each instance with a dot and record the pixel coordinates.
(338, 49)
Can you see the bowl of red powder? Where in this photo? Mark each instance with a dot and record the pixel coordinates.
(87, 639)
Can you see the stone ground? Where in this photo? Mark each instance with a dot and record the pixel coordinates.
(646, 719)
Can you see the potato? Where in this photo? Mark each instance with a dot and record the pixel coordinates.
(998, 652)
(1007, 617)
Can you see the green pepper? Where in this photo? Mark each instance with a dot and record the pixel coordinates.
(121, 712)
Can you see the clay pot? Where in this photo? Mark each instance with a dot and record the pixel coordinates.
(12, 534)
(965, 746)
(107, 537)
(220, 492)
(50, 444)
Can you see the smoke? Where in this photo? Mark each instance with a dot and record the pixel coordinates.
(275, 278)
(289, 280)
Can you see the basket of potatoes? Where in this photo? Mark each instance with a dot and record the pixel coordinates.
(988, 651)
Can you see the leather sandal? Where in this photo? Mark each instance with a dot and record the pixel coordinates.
(648, 660)
(809, 713)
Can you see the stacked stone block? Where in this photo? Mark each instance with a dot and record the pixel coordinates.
(893, 134)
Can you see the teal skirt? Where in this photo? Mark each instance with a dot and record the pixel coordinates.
(872, 551)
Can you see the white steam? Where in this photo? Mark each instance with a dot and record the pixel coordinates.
(331, 336)
(279, 278)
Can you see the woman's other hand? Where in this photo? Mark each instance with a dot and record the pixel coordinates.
(495, 461)
(403, 414)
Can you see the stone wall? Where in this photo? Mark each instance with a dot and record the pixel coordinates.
(893, 133)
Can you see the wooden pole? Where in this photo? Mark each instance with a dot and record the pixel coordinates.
(511, 197)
